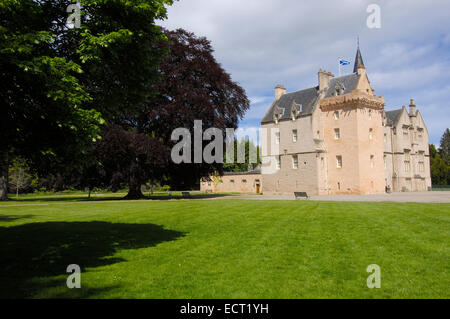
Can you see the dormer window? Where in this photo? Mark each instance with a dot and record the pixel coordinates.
(278, 114)
(339, 89)
(296, 109)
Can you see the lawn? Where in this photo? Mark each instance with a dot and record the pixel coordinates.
(224, 248)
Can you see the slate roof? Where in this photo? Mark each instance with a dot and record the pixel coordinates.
(393, 116)
(307, 98)
(358, 61)
(347, 81)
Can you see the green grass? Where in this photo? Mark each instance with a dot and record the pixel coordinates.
(224, 249)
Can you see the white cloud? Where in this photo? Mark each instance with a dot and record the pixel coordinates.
(262, 43)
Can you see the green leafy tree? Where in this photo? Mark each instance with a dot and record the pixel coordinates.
(444, 149)
(439, 169)
(20, 176)
(58, 83)
(239, 146)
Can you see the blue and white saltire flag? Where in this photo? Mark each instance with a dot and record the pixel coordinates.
(342, 63)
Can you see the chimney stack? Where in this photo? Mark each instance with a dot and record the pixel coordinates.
(279, 91)
(324, 79)
(412, 108)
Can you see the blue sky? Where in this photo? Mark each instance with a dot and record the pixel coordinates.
(262, 43)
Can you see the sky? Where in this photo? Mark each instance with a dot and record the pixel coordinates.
(262, 43)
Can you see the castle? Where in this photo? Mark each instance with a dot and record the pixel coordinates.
(337, 138)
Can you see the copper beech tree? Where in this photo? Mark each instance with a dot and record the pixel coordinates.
(136, 146)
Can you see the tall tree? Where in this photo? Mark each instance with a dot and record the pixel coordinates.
(440, 171)
(193, 87)
(250, 148)
(444, 149)
(57, 83)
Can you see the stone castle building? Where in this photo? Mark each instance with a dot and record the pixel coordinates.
(336, 138)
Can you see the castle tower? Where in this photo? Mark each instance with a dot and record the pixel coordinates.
(353, 133)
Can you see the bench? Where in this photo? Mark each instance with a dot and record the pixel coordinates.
(301, 195)
(186, 194)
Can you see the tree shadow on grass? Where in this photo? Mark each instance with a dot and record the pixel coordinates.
(11, 218)
(41, 250)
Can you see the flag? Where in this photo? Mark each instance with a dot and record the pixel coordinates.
(343, 62)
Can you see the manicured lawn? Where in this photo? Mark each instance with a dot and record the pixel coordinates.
(225, 248)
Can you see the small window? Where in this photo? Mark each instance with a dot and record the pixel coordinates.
(336, 115)
(385, 138)
(421, 156)
(405, 133)
(232, 181)
(244, 182)
(277, 137)
(421, 167)
(294, 136)
(339, 161)
(278, 160)
(407, 155)
(370, 114)
(385, 161)
(407, 166)
(371, 134)
(322, 162)
(372, 161)
(209, 183)
(337, 133)
(295, 161)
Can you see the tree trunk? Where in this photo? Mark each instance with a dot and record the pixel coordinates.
(4, 165)
(134, 192)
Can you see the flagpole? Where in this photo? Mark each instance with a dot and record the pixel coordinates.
(339, 63)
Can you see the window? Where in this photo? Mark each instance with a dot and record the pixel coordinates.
(370, 114)
(337, 133)
(336, 115)
(407, 161)
(278, 160)
(294, 136)
(371, 134)
(339, 161)
(405, 133)
(232, 182)
(372, 161)
(322, 162)
(277, 137)
(295, 161)
(407, 155)
(421, 167)
(385, 161)
(421, 156)
(385, 138)
(244, 182)
(209, 183)
(407, 166)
